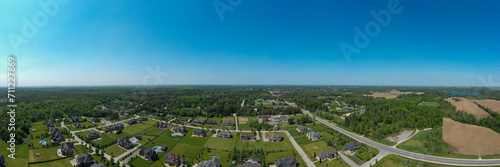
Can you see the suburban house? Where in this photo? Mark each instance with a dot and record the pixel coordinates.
(67, 149)
(224, 134)
(163, 148)
(108, 118)
(286, 162)
(50, 123)
(334, 143)
(169, 116)
(143, 118)
(247, 136)
(126, 115)
(228, 123)
(182, 119)
(148, 154)
(199, 121)
(144, 112)
(53, 130)
(156, 114)
(179, 129)
(98, 165)
(326, 154)
(302, 128)
(119, 126)
(174, 160)
(84, 160)
(211, 122)
(77, 125)
(263, 118)
(93, 136)
(132, 121)
(109, 128)
(352, 146)
(57, 137)
(138, 137)
(313, 136)
(160, 124)
(2, 161)
(75, 119)
(210, 163)
(125, 143)
(96, 120)
(199, 133)
(277, 137)
(255, 162)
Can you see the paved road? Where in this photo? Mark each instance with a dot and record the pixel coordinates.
(299, 149)
(349, 161)
(236, 120)
(421, 157)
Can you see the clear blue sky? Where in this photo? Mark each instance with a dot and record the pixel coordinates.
(91, 42)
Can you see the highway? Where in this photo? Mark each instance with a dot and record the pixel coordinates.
(416, 156)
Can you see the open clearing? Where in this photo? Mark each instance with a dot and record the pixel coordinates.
(470, 139)
(392, 94)
(403, 135)
(468, 106)
(492, 104)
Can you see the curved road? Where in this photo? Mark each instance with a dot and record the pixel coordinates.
(416, 156)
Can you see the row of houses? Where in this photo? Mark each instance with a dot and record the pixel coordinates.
(273, 119)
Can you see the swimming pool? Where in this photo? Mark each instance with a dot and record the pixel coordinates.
(133, 140)
(156, 149)
(176, 135)
(43, 142)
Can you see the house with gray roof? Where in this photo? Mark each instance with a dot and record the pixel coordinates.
(132, 121)
(149, 154)
(93, 135)
(247, 136)
(210, 163)
(302, 128)
(75, 119)
(142, 118)
(228, 123)
(174, 160)
(326, 154)
(96, 120)
(67, 149)
(286, 162)
(84, 160)
(313, 136)
(277, 137)
(169, 116)
(352, 146)
(199, 133)
(77, 125)
(199, 121)
(211, 122)
(224, 134)
(179, 129)
(125, 143)
(119, 126)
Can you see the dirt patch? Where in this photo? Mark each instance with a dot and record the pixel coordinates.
(392, 94)
(470, 139)
(468, 106)
(492, 104)
(315, 147)
(242, 120)
(403, 135)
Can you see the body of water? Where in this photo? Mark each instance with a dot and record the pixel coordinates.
(463, 93)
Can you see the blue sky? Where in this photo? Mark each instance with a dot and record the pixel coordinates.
(296, 42)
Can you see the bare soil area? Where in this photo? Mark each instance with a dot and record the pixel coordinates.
(470, 139)
(403, 135)
(392, 94)
(469, 107)
(492, 104)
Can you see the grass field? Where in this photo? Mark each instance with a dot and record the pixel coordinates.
(40, 129)
(367, 155)
(333, 162)
(45, 154)
(81, 149)
(417, 144)
(21, 155)
(221, 143)
(114, 150)
(315, 147)
(61, 162)
(431, 104)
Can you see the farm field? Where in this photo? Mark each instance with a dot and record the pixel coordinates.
(392, 94)
(492, 104)
(470, 139)
(469, 107)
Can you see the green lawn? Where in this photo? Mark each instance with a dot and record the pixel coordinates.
(271, 158)
(221, 143)
(114, 150)
(81, 149)
(40, 129)
(315, 147)
(45, 154)
(417, 144)
(57, 163)
(332, 162)
(223, 157)
(21, 155)
(188, 151)
(367, 155)
(86, 125)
